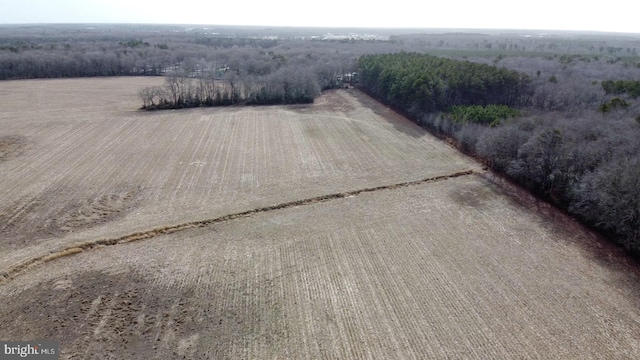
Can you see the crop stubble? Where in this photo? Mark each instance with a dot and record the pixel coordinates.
(397, 273)
(431, 269)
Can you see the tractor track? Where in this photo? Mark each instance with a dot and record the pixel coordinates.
(152, 233)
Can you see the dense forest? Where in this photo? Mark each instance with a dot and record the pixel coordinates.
(557, 112)
(420, 83)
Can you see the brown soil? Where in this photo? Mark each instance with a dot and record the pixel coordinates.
(46, 216)
(11, 146)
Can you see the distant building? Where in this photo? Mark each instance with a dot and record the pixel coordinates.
(348, 78)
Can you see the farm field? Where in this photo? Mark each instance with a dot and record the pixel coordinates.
(87, 164)
(356, 235)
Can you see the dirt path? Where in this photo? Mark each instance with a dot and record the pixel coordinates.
(149, 234)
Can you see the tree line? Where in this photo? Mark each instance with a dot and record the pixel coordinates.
(422, 83)
(166, 54)
(579, 160)
(288, 85)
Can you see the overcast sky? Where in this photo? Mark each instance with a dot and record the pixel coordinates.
(612, 15)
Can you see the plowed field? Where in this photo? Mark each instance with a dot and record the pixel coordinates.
(333, 230)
